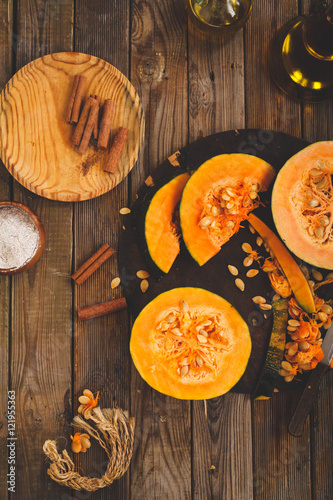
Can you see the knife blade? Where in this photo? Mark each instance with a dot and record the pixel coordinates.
(309, 394)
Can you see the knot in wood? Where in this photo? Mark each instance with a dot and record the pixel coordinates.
(150, 71)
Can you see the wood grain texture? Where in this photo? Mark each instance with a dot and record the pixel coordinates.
(101, 353)
(281, 464)
(42, 297)
(36, 142)
(221, 428)
(161, 464)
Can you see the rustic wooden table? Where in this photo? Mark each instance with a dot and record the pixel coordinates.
(190, 87)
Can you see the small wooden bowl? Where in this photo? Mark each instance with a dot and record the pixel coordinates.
(41, 243)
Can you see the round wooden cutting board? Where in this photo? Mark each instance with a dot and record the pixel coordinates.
(273, 147)
(35, 139)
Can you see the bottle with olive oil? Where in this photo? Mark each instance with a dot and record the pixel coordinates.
(219, 17)
(301, 56)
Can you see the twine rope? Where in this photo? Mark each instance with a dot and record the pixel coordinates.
(114, 431)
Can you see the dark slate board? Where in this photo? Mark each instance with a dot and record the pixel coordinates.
(273, 147)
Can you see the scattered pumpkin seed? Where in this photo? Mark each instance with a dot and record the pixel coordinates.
(259, 241)
(284, 373)
(326, 308)
(286, 366)
(253, 195)
(322, 316)
(88, 393)
(246, 247)
(115, 282)
(296, 312)
(248, 261)
(230, 223)
(252, 272)
(291, 328)
(252, 229)
(84, 400)
(265, 307)
(292, 351)
(317, 275)
(268, 269)
(233, 270)
(276, 297)
(293, 322)
(124, 211)
(144, 285)
(258, 299)
(303, 346)
(240, 284)
(289, 378)
(329, 276)
(142, 274)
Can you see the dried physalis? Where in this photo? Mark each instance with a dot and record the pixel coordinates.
(80, 442)
(88, 402)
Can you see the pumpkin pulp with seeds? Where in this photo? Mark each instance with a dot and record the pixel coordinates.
(302, 204)
(217, 198)
(190, 343)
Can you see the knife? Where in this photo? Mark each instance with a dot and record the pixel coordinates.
(309, 394)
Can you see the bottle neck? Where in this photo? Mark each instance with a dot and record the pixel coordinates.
(318, 34)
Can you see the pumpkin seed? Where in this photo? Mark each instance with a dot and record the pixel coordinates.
(240, 284)
(177, 332)
(170, 318)
(80, 409)
(294, 322)
(184, 371)
(230, 223)
(286, 366)
(254, 187)
(76, 446)
(321, 164)
(324, 221)
(265, 307)
(284, 373)
(144, 285)
(142, 274)
(252, 272)
(319, 232)
(251, 228)
(115, 282)
(311, 230)
(84, 400)
(303, 346)
(226, 197)
(326, 308)
(248, 261)
(203, 332)
(247, 201)
(313, 203)
(85, 442)
(329, 276)
(259, 241)
(184, 306)
(124, 211)
(292, 351)
(305, 271)
(88, 393)
(230, 204)
(305, 366)
(311, 283)
(230, 192)
(199, 361)
(319, 341)
(267, 269)
(216, 211)
(201, 339)
(314, 172)
(322, 316)
(205, 222)
(291, 328)
(317, 275)
(253, 195)
(233, 211)
(246, 247)
(295, 311)
(289, 378)
(276, 297)
(258, 299)
(322, 183)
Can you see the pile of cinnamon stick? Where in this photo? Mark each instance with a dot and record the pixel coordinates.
(89, 125)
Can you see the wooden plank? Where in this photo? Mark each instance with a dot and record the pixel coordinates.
(6, 16)
(317, 126)
(42, 296)
(161, 465)
(281, 463)
(221, 430)
(101, 356)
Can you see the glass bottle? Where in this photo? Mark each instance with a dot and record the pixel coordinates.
(301, 56)
(219, 17)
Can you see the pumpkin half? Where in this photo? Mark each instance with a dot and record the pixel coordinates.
(189, 343)
(302, 204)
(161, 224)
(217, 198)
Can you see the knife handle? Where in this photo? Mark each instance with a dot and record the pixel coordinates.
(306, 401)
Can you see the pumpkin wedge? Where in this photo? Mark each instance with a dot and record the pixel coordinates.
(217, 198)
(293, 273)
(302, 204)
(161, 227)
(189, 343)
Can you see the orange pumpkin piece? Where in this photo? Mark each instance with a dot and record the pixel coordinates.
(189, 343)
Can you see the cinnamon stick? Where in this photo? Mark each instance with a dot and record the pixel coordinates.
(102, 309)
(93, 114)
(93, 263)
(72, 97)
(106, 122)
(78, 99)
(79, 129)
(95, 131)
(116, 150)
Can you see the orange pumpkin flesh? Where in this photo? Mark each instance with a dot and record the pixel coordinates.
(189, 343)
(302, 204)
(161, 235)
(217, 198)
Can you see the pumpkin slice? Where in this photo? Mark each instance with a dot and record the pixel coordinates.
(161, 225)
(293, 273)
(217, 198)
(275, 352)
(302, 204)
(189, 343)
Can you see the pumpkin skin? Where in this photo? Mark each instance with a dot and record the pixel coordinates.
(160, 234)
(160, 364)
(297, 223)
(228, 171)
(293, 273)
